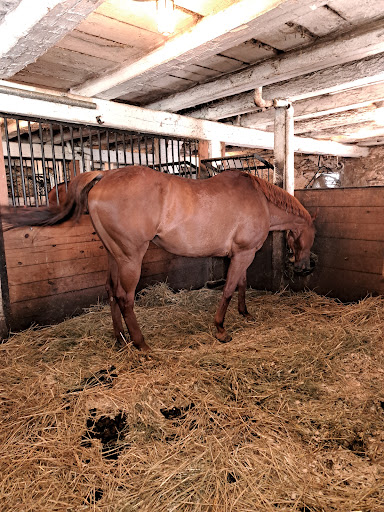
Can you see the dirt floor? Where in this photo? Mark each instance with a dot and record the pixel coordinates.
(287, 417)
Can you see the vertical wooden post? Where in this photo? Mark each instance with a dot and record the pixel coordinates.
(5, 308)
(289, 171)
(284, 176)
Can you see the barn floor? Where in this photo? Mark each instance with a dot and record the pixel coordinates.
(288, 416)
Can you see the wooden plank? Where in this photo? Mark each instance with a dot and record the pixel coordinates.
(56, 270)
(97, 46)
(368, 196)
(354, 215)
(30, 291)
(17, 258)
(115, 30)
(52, 309)
(357, 255)
(43, 23)
(350, 230)
(345, 285)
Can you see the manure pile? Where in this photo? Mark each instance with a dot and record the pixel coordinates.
(289, 416)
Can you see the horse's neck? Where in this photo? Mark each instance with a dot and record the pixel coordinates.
(281, 220)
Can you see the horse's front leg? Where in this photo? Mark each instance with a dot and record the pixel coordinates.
(237, 269)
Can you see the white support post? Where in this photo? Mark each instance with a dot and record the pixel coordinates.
(289, 174)
(284, 176)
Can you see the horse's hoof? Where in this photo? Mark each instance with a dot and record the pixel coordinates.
(143, 347)
(223, 338)
(249, 318)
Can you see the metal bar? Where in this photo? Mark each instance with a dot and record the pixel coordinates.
(62, 98)
(178, 155)
(124, 149)
(54, 163)
(73, 150)
(21, 162)
(173, 155)
(132, 154)
(108, 149)
(63, 158)
(82, 148)
(91, 149)
(153, 151)
(139, 148)
(100, 156)
(9, 162)
(33, 166)
(117, 151)
(146, 149)
(43, 162)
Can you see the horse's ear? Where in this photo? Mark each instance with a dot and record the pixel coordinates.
(290, 239)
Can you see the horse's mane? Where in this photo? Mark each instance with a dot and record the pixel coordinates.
(280, 197)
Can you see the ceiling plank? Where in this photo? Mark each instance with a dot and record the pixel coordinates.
(32, 27)
(128, 117)
(320, 106)
(209, 37)
(356, 44)
(324, 81)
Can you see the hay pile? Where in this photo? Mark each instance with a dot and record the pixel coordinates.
(288, 416)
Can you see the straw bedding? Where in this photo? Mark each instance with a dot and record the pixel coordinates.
(288, 416)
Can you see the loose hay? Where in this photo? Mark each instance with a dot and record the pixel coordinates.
(288, 416)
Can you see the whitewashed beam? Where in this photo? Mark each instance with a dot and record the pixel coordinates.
(354, 45)
(326, 81)
(320, 106)
(344, 119)
(34, 26)
(128, 117)
(212, 35)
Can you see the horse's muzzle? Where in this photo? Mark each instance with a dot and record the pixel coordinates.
(305, 268)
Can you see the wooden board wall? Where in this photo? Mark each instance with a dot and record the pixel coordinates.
(349, 242)
(54, 272)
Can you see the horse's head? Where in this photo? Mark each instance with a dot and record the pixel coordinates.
(300, 241)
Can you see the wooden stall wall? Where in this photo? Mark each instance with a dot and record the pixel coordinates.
(349, 242)
(54, 272)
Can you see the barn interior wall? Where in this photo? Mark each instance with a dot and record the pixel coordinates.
(54, 272)
(349, 242)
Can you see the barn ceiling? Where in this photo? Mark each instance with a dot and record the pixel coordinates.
(326, 56)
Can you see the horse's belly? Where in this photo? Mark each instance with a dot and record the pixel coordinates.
(193, 247)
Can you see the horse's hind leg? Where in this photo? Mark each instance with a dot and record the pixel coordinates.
(242, 286)
(237, 269)
(112, 285)
(129, 274)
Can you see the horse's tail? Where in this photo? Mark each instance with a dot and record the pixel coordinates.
(73, 207)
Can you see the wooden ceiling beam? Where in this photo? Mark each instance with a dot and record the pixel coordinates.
(354, 45)
(326, 81)
(320, 106)
(211, 36)
(127, 117)
(32, 27)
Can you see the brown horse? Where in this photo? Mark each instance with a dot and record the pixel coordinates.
(229, 214)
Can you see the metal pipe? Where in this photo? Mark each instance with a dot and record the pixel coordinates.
(34, 95)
